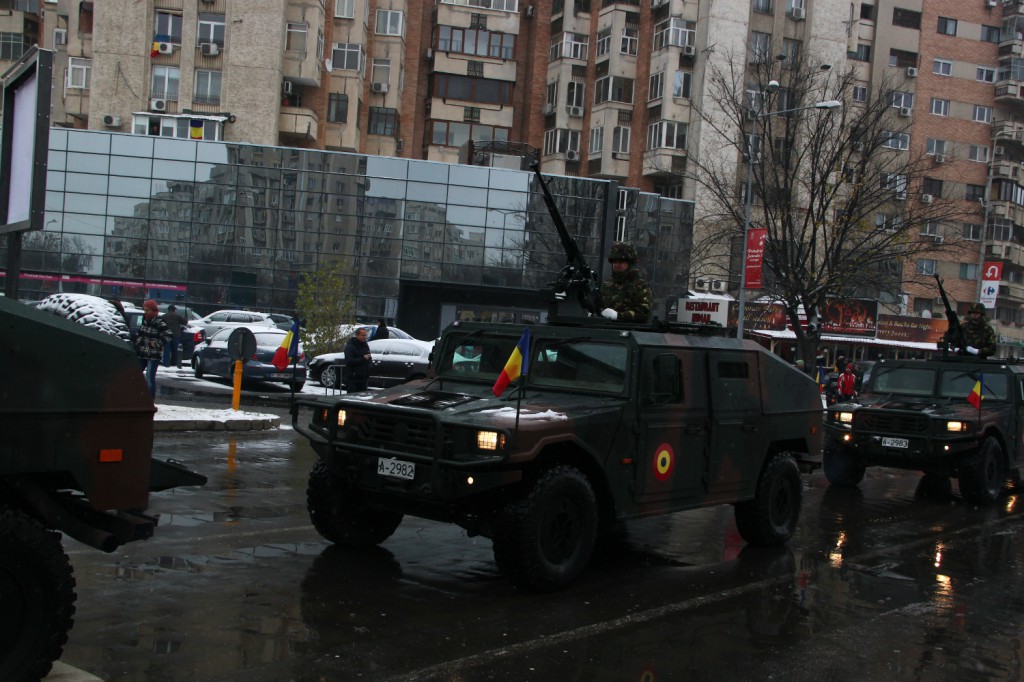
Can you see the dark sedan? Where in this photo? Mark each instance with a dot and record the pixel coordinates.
(212, 358)
(395, 361)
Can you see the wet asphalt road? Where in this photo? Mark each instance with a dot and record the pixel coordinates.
(877, 585)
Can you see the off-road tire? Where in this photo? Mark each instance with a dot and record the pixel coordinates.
(770, 518)
(983, 475)
(329, 377)
(839, 465)
(37, 597)
(88, 311)
(543, 541)
(337, 512)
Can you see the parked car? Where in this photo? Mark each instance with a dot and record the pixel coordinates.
(282, 321)
(213, 358)
(230, 319)
(395, 361)
(191, 335)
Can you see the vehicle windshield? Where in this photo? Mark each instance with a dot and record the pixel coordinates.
(952, 383)
(574, 364)
(916, 381)
(959, 384)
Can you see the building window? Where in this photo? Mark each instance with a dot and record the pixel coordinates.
(596, 140)
(12, 46)
(902, 58)
(552, 96)
(211, 29)
(383, 121)
(569, 46)
(337, 107)
(476, 42)
(947, 26)
(932, 186)
(670, 134)
(763, 6)
(630, 40)
(978, 152)
(975, 192)
(389, 22)
(483, 90)
(791, 48)
(968, 271)
(942, 67)
(674, 32)
(620, 140)
(894, 140)
(936, 146)
(897, 183)
(604, 42)
(176, 126)
(940, 107)
(862, 53)
(471, 114)
(972, 232)
(575, 94)
(760, 46)
(681, 84)
(990, 34)
(207, 87)
(982, 114)
(657, 86)
(613, 89)
(930, 229)
(345, 9)
(454, 134)
(348, 56)
(167, 28)
(79, 73)
(985, 74)
(380, 71)
(165, 82)
(860, 93)
(60, 36)
(295, 37)
(901, 99)
(925, 266)
(906, 18)
(559, 141)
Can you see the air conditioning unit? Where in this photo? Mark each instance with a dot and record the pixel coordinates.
(399, 145)
(998, 150)
(430, 54)
(548, 109)
(209, 49)
(286, 87)
(798, 14)
(530, 11)
(111, 120)
(378, 87)
(927, 198)
(911, 72)
(901, 196)
(990, 3)
(940, 158)
(158, 105)
(576, 112)
(701, 284)
(718, 285)
(689, 50)
(165, 48)
(905, 112)
(572, 155)
(939, 239)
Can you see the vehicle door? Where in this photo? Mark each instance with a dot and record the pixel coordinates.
(1018, 422)
(216, 322)
(380, 370)
(673, 426)
(215, 358)
(735, 421)
(400, 362)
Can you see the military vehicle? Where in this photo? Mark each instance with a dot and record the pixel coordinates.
(607, 422)
(75, 458)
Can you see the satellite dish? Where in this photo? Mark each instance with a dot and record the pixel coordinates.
(329, 65)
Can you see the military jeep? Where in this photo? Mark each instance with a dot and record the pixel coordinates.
(610, 422)
(914, 414)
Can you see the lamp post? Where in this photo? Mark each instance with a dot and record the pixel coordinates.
(827, 104)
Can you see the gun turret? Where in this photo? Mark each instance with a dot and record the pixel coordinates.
(954, 336)
(577, 286)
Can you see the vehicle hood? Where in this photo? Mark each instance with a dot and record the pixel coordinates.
(933, 407)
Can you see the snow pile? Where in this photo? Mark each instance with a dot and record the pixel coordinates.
(525, 414)
(90, 311)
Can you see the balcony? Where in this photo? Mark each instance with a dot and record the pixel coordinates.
(298, 122)
(1009, 92)
(1005, 170)
(609, 166)
(664, 162)
(1007, 131)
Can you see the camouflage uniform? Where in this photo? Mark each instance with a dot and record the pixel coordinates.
(626, 292)
(979, 332)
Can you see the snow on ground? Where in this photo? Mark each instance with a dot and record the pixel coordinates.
(181, 413)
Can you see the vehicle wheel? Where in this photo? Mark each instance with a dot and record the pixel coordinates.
(338, 515)
(934, 486)
(197, 368)
(770, 518)
(544, 541)
(983, 474)
(839, 465)
(297, 385)
(37, 597)
(329, 377)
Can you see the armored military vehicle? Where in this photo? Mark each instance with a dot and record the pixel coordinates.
(915, 414)
(75, 457)
(606, 422)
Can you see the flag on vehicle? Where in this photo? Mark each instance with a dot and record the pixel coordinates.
(516, 366)
(975, 397)
(288, 349)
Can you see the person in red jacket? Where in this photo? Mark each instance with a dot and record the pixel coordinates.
(847, 385)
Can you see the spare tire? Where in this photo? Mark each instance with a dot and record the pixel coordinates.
(90, 311)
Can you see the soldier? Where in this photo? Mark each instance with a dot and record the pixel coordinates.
(981, 339)
(626, 296)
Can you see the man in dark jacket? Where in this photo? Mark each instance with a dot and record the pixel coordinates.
(626, 296)
(356, 372)
(149, 342)
(174, 322)
(381, 332)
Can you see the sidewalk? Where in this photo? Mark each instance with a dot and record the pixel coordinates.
(179, 418)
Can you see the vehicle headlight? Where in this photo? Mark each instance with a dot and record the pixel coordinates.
(341, 417)
(490, 440)
(956, 426)
(845, 417)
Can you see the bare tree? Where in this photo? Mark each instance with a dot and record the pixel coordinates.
(843, 199)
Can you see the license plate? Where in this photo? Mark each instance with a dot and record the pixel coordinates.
(279, 375)
(895, 443)
(396, 468)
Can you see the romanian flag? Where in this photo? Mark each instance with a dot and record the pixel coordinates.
(516, 365)
(975, 396)
(288, 349)
(155, 51)
(195, 129)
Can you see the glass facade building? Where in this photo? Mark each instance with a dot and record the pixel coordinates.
(227, 225)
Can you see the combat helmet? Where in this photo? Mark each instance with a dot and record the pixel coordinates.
(622, 251)
(977, 308)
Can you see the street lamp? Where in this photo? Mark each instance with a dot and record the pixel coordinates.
(772, 87)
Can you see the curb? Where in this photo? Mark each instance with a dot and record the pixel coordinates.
(263, 424)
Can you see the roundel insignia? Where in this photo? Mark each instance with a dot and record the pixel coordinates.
(647, 675)
(664, 461)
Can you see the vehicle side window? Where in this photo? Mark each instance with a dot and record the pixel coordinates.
(667, 382)
(399, 348)
(383, 348)
(219, 317)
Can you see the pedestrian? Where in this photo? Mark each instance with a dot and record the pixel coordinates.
(981, 339)
(149, 342)
(174, 322)
(381, 332)
(847, 384)
(356, 372)
(626, 296)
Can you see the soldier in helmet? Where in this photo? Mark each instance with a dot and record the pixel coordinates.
(626, 296)
(981, 339)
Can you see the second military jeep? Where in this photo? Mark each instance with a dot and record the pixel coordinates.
(914, 414)
(608, 423)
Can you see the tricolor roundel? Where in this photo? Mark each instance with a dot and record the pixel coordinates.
(664, 461)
